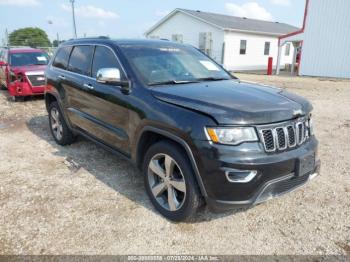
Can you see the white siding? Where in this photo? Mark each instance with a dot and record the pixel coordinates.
(189, 28)
(326, 48)
(254, 59)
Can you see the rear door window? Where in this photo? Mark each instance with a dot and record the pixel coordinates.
(61, 59)
(104, 58)
(80, 60)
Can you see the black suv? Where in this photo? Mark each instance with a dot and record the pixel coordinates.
(198, 134)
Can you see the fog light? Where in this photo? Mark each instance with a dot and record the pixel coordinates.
(240, 176)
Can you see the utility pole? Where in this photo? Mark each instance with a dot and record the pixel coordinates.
(74, 25)
(7, 38)
(50, 23)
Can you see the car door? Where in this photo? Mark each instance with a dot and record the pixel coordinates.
(110, 107)
(97, 109)
(77, 100)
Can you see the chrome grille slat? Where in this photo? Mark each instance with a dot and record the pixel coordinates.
(284, 136)
(291, 136)
(280, 138)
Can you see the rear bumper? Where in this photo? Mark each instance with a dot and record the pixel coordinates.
(24, 89)
(275, 174)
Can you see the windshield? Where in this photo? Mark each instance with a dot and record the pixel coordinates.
(172, 64)
(25, 59)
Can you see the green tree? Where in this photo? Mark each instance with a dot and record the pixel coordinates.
(29, 36)
(56, 43)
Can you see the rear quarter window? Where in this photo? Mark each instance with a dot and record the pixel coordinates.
(61, 59)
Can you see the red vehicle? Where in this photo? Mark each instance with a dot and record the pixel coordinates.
(22, 71)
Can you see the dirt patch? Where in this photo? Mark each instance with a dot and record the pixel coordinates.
(80, 199)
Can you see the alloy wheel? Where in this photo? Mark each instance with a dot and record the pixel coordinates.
(167, 182)
(56, 124)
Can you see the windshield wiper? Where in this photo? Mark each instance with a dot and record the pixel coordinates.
(172, 82)
(211, 78)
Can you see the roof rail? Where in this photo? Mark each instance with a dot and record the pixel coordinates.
(92, 37)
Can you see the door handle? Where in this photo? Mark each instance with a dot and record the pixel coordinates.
(89, 86)
(62, 77)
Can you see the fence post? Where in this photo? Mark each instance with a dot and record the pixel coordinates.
(269, 66)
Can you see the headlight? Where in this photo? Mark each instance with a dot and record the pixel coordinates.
(232, 135)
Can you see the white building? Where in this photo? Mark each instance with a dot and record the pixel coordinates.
(324, 40)
(236, 42)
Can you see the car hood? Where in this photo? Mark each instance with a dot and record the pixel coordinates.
(31, 68)
(235, 102)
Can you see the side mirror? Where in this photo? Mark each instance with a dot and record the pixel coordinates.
(108, 75)
(112, 76)
(2, 63)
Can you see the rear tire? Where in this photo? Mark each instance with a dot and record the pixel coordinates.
(170, 182)
(58, 126)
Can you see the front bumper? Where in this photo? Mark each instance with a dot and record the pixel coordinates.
(276, 173)
(17, 88)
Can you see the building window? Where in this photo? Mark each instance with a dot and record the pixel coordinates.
(287, 50)
(177, 38)
(267, 48)
(243, 47)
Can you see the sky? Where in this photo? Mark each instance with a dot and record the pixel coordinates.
(130, 18)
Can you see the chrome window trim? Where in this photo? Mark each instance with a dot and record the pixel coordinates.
(85, 44)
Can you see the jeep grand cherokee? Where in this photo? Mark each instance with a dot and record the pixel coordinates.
(198, 134)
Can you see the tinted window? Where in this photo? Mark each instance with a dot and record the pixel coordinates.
(61, 59)
(267, 48)
(243, 47)
(23, 59)
(163, 62)
(80, 60)
(103, 58)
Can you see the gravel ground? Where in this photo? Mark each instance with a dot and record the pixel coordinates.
(81, 199)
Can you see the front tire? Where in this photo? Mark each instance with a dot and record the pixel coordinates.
(58, 126)
(170, 182)
(18, 98)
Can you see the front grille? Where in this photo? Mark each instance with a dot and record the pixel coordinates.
(284, 136)
(36, 80)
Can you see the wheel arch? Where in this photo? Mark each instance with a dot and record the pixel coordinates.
(150, 135)
(52, 97)
(49, 98)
